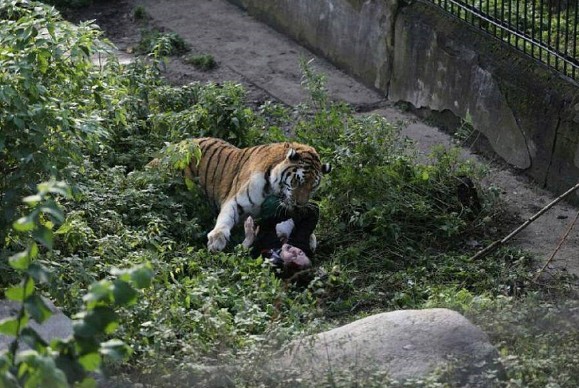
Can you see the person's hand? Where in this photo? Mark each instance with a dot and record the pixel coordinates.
(284, 230)
(250, 232)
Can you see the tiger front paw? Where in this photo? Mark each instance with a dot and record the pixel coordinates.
(217, 240)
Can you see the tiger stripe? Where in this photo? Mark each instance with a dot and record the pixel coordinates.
(237, 181)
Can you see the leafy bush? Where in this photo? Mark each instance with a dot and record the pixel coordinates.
(139, 13)
(161, 44)
(198, 110)
(392, 229)
(52, 97)
(63, 361)
(203, 62)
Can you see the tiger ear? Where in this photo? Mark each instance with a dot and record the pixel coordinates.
(326, 168)
(293, 155)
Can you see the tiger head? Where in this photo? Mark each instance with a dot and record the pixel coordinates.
(298, 175)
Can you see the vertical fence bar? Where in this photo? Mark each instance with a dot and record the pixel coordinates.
(567, 28)
(520, 22)
(529, 28)
(558, 33)
(541, 3)
(576, 21)
(549, 30)
(502, 22)
(533, 23)
(495, 16)
(510, 17)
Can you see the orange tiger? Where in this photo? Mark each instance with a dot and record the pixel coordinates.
(238, 180)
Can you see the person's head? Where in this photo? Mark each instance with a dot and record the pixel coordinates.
(294, 257)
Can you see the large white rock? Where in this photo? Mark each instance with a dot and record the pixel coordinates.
(57, 326)
(405, 344)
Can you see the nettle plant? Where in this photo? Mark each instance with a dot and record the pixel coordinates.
(70, 360)
(52, 97)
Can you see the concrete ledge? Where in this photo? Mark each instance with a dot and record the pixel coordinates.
(414, 53)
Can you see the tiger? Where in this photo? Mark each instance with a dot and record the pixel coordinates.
(238, 180)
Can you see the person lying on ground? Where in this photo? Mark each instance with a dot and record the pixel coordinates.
(284, 237)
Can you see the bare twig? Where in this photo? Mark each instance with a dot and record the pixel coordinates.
(492, 247)
(563, 238)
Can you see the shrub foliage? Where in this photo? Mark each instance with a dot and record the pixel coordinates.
(394, 229)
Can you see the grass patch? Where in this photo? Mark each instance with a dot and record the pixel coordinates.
(139, 13)
(204, 62)
(161, 44)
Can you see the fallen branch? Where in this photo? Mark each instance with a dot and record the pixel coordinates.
(495, 245)
(561, 241)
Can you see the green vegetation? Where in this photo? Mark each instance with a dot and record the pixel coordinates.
(139, 13)
(69, 3)
(203, 62)
(161, 44)
(393, 231)
(550, 23)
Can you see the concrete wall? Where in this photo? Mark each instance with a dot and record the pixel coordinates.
(415, 53)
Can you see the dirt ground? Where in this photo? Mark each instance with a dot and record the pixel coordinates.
(267, 63)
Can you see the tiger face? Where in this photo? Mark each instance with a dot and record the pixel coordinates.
(300, 175)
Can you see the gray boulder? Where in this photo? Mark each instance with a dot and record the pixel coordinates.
(398, 345)
(57, 326)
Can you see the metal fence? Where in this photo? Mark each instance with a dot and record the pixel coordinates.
(546, 30)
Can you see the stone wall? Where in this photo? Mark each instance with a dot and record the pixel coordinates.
(415, 53)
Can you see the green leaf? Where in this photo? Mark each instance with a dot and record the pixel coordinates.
(33, 339)
(116, 349)
(61, 188)
(7, 380)
(101, 291)
(38, 272)
(37, 309)
(33, 250)
(44, 236)
(20, 261)
(21, 292)
(123, 293)
(32, 200)
(189, 184)
(122, 274)
(100, 320)
(142, 276)
(90, 362)
(11, 326)
(24, 224)
(51, 208)
(41, 370)
(86, 345)
(87, 382)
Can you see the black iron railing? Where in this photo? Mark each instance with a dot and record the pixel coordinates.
(547, 30)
